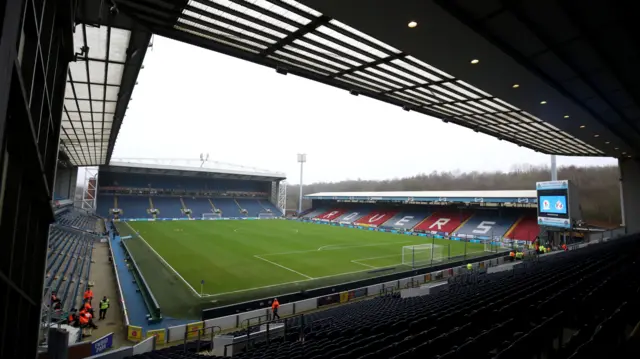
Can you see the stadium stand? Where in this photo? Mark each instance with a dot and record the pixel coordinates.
(198, 206)
(270, 207)
(134, 194)
(405, 220)
(330, 215)
(252, 206)
(486, 225)
(443, 221)
(169, 207)
(477, 223)
(351, 216)
(313, 213)
(76, 219)
(133, 206)
(582, 309)
(525, 229)
(68, 265)
(375, 218)
(227, 206)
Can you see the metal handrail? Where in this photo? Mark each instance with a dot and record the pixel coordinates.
(248, 320)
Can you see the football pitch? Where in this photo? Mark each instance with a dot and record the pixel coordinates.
(243, 260)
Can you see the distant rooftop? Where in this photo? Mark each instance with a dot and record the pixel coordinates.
(190, 167)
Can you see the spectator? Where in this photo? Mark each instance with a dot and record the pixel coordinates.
(55, 301)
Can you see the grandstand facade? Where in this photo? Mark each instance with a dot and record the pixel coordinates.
(134, 191)
(459, 215)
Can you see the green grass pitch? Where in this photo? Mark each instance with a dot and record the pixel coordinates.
(243, 260)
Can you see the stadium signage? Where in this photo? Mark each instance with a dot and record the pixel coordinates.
(523, 200)
(558, 204)
(102, 344)
(479, 200)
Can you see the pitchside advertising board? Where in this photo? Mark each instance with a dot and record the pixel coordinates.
(558, 204)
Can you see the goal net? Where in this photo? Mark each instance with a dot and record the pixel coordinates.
(491, 246)
(266, 215)
(211, 215)
(421, 255)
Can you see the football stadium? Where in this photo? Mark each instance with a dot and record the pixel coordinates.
(113, 258)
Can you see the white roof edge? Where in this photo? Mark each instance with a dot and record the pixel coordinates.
(445, 194)
(197, 169)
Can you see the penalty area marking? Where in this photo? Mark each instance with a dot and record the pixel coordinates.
(281, 284)
(283, 267)
(362, 264)
(347, 246)
(358, 261)
(164, 261)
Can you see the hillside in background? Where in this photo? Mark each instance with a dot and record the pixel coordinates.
(599, 190)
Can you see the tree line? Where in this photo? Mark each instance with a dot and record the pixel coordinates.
(598, 186)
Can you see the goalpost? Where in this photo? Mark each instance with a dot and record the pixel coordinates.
(211, 215)
(421, 255)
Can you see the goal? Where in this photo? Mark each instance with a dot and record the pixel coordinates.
(266, 215)
(421, 255)
(211, 215)
(491, 246)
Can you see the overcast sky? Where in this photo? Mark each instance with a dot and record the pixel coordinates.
(189, 101)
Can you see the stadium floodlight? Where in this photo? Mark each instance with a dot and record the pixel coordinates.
(302, 158)
(203, 159)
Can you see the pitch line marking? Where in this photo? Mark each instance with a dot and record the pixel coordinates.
(362, 264)
(285, 283)
(164, 261)
(283, 267)
(347, 246)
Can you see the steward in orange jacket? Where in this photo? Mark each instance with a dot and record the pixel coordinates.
(274, 307)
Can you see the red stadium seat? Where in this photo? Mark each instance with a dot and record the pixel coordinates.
(444, 222)
(330, 215)
(375, 218)
(525, 230)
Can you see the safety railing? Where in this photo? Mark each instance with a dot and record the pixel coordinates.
(123, 305)
(267, 334)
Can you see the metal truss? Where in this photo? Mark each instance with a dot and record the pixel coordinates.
(89, 199)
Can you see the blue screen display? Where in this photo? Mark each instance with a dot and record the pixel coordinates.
(553, 204)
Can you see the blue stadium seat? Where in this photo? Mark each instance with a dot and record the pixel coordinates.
(68, 265)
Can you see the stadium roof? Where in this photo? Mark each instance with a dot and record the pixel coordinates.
(524, 196)
(99, 82)
(559, 105)
(183, 167)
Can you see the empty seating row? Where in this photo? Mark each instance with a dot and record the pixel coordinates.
(481, 224)
(501, 315)
(77, 219)
(68, 265)
(172, 207)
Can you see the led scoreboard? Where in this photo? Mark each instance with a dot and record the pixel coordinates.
(558, 204)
